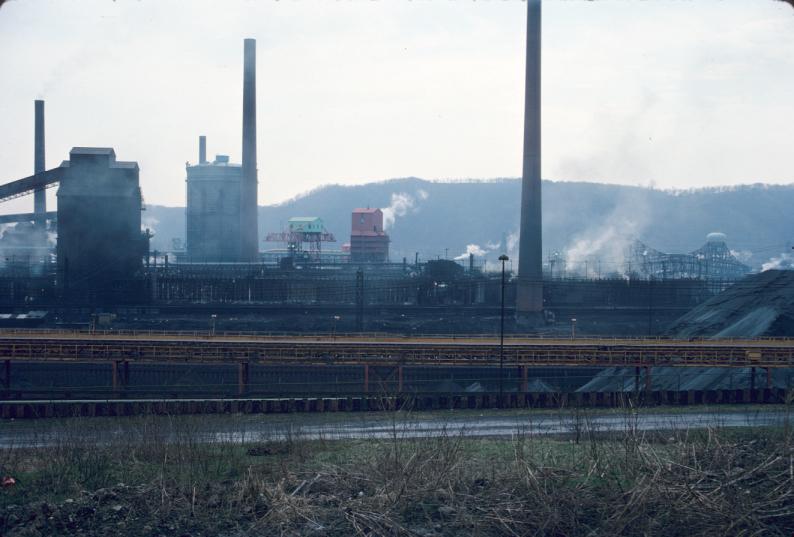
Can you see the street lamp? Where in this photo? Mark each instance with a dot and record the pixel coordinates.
(213, 317)
(573, 328)
(502, 258)
(336, 319)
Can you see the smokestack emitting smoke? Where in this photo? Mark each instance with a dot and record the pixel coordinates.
(39, 195)
(202, 149)
(529, 292)
(248, 188)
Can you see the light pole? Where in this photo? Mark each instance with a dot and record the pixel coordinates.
(502, 258)
(213, 317)
(336, 319)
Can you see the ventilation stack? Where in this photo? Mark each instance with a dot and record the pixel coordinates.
(39, 195)
(529, 292)
(202, 149)
(249, 239)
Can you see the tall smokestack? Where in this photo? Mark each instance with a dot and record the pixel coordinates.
(39, 195)
(202, 149)
(249, 247)
(529, 292)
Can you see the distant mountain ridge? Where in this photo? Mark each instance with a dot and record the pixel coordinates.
(580, 220)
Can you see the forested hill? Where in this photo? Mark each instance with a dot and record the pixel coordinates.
(579, 219)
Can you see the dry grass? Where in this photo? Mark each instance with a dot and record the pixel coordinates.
(151, 479)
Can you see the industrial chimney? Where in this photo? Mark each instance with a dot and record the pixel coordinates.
(202, 149)
(249, 247)
(39, 195)
(529, 292)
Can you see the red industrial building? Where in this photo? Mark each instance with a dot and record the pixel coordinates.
(368, 242)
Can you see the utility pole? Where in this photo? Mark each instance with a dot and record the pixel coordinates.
(502, 258)
(650, 305)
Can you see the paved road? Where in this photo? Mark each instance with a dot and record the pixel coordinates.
(246, 428)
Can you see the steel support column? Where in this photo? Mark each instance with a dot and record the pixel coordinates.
(114, 373)
(242, 377)
(120, 373)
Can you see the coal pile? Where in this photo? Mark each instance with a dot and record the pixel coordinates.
(761, 305)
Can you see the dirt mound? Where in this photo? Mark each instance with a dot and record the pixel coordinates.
(759, 305)
(118, 510)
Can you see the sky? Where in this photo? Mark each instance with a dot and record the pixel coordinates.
(673, 94)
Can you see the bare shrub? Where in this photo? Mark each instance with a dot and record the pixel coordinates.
(712, 481)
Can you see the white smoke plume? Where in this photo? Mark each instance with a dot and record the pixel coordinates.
(782, 262)
(471, 249)
(512, 244)
(511, 240)
(149, 222)
(491, 247)
(745, 256)
(401, 204)
(609, 242)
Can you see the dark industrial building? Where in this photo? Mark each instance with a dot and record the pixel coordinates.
(100, 244)
(221, 283)
(100, 249)
(369, 243)
(212, 217)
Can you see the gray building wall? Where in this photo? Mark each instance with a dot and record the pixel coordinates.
(213, 231)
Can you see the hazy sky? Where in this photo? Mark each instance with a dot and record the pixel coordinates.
(672, 93)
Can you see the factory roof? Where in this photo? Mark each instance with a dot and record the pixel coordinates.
(125, 164)
(215, 164)
(101, 151)
(304, 219)
(92, 151)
